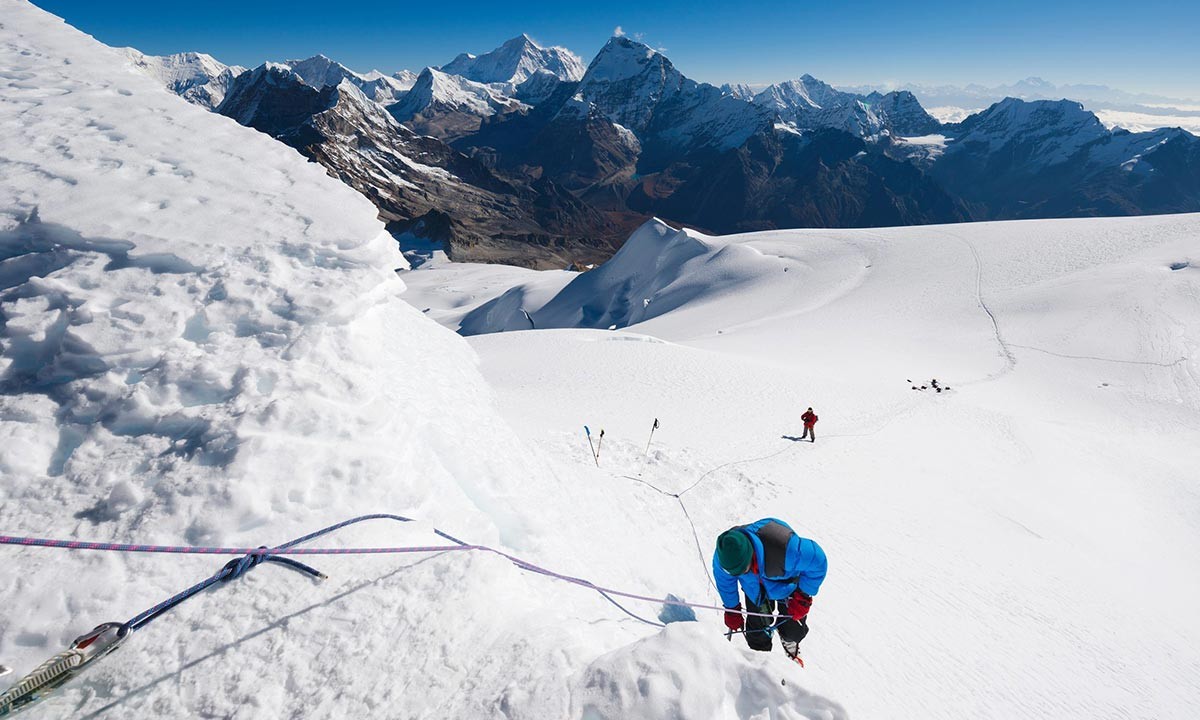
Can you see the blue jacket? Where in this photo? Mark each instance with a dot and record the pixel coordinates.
(804, 567)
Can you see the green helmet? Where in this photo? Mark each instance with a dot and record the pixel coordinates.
(734, 551)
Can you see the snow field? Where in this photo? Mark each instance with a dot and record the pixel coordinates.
(1022, 544)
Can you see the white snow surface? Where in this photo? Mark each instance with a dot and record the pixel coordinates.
(466, 297)
(201, 341)
(1022, 545)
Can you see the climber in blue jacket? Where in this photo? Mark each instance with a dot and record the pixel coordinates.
(779, 571)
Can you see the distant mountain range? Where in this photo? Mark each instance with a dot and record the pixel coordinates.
(525, 155)
(977, 96)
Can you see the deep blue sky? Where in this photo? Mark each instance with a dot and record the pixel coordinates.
(1147, 46)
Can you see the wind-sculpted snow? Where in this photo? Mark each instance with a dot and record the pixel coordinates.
(684, 672)
(199, 319)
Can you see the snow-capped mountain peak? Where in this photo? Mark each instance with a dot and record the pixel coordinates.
(810, 103)
(902, 113)
(639, 89)
(516, 61)
(741, 91)
(1059, 127)
(319, 71)
(806, 92)
(197, 77)
(622, 58)
(626, 80)
(406, 78)
(439, 93)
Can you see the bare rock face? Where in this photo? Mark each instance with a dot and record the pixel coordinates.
(780, 179)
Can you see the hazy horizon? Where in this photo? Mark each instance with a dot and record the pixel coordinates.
(871, 44)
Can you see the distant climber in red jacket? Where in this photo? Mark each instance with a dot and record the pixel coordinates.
(810, 419)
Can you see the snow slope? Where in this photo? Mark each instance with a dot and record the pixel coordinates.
(1022, 545)
(201, 341)
(475, 298)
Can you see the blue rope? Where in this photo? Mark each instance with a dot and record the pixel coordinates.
(232, 570)
(240, 566)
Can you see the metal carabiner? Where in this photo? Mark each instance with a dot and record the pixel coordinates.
(85, 650)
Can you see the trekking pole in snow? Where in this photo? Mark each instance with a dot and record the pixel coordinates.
(652, 429)
(599, 445)
(593, 447)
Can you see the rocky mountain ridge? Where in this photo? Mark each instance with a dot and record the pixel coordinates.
(568, 159)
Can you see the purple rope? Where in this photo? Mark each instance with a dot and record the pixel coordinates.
(287, 549)
(194, 550)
